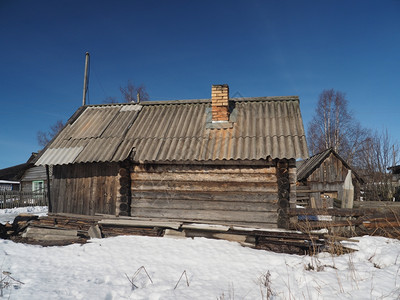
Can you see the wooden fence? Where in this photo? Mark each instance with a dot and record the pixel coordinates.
(377, 220)
(11, 199)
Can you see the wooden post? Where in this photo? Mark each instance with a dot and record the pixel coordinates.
(282, 174)
(312, 202)
(85, 79)
(48, 188)
(348, 192)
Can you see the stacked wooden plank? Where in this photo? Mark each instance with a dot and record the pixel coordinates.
(373, 221)
(125, 226)
(67, 221)
(61, 229)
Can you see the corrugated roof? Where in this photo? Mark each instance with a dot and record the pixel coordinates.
(181, 131)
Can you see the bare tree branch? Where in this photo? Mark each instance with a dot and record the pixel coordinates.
(130, 93)
(334, 127)
(45, 137)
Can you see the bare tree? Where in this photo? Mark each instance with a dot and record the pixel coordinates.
(111, 100)
(130, 93)
(45, 137)
(334, 127)
(377, 154)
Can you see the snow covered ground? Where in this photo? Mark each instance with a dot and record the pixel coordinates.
(8, 214)
(215, 270)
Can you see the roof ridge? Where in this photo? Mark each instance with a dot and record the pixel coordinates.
(208, 100)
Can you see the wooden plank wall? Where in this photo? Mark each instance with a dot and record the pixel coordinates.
(329, 177)
(85, 188)
(234, 195)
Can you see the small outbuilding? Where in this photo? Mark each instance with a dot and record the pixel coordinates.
(321, 177)
(221, 160)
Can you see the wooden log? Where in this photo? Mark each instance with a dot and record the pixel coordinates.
(205, 169)
(206, 215)
(123, 172)
(167, 185)
(208, 227)
(381, 224)
(203, 205)
(342, 212)
(228, 195)
(138, 223)
(47, 234)
(204, 177)
(124, 181)
(320, 224)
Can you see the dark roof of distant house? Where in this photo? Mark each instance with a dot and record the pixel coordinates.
(307, 167)
(395, 169)
(14, 173)
(180, 131)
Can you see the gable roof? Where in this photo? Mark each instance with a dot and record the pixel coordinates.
(180, 131)
(308, 166)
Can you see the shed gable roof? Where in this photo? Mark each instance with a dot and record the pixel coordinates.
(308, 166)
(179, 131)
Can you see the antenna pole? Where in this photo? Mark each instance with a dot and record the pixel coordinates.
(85, 79)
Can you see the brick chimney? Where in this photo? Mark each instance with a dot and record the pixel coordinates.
(220, 103)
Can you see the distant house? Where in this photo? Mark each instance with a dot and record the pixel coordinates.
(7, 185)
(322, 176)
(14, 173)
(396, 181)
(220, 160)
(30, 178)
(395, 174)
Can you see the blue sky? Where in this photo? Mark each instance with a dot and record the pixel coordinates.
(178, 49)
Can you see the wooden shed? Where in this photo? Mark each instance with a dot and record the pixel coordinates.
(220, 160)
(322, 176)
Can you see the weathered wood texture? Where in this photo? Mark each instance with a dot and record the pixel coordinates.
(328, 180)
(123, 202)
(282, 176)
(85, 188)
(235, 195)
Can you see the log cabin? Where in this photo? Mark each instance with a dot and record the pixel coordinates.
(322, 176)
(220, 161)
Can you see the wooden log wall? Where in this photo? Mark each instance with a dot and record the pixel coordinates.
(85, 189)
(233, 195)
(123, 204)
(286, 177)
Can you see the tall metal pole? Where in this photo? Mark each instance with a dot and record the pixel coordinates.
(85, 79)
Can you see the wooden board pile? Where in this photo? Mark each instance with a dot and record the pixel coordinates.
(63, 229)
(382, 221)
